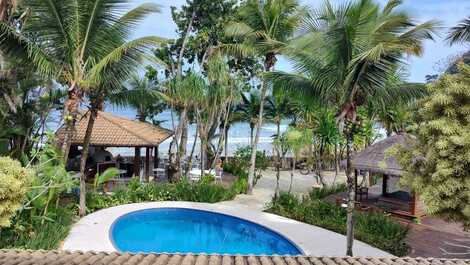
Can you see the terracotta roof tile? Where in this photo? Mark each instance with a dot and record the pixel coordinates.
(113, 131)
(29, 257)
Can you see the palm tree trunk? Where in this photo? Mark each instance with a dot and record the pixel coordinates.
(86, 145)
(292, 174)
(251, 133)
(278, 161)
(350, 203)
(190, 161)
(226, 142)
(254, 146)
(70, 116)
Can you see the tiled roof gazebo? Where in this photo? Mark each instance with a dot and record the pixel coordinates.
(28, 257)
(113, 131)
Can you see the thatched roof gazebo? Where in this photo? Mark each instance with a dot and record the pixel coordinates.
(377, 159)
(113, 131)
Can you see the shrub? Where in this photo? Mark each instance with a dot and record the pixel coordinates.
(375, 229)
(14, 183)
(31, 233)
(320, 193)
(203, 191)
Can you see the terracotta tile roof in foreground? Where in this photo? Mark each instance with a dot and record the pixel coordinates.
(27, 257)
(113, 131)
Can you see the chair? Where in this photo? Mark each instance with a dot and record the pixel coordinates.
(362, 191)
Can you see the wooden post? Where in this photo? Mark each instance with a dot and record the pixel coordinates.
(355, 184)
(156, 159)
(137, 157)
(384, 185)
(413, 203)
(147, 164)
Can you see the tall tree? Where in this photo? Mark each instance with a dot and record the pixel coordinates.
(75, 42)
(347, 56)
(278, 108)
(437, 162)
(263, 26)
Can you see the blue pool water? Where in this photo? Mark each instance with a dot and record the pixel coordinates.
(179, 230)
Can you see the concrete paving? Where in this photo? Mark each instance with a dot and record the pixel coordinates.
(265, 188)
(92, 233)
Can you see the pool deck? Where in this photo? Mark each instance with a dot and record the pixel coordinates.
(91, 233)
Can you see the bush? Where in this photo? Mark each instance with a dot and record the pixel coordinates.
(375, 229)
(14, 183)
(321, 193)
(203, 191)
(33, 233)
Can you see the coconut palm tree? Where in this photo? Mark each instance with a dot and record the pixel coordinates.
(248, 110)
(278, 108)
(84, 45)
(263, 27)
(460, 33)
(75, 42)
(346, 57)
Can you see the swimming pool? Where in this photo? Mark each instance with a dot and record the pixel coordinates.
(181, 230)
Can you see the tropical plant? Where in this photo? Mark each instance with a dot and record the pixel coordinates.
(297, 140)
(376, 229)
(262, 27)
(242, 160)
(104, 177)
(436, 165)
(460, 33)
(347, 57)
(84, 45)
(278, 108)
(248, 110)
(76, 42)
(15, 181)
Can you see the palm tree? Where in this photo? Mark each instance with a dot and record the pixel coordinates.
(346, 57)
(263, 27)
(248, 110)
(144, 96)
(84, 45)
(75, 42)
(297, 139)
(460, 33)
(278, 108)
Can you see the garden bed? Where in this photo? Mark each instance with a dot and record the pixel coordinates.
(375, 229)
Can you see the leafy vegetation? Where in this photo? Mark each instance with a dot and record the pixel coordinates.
(14, 183)
(438, 163)
(202, 191)
(373, 228)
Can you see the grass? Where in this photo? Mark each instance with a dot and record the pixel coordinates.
(375, 229)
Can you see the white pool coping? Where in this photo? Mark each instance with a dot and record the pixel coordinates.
(91, 233)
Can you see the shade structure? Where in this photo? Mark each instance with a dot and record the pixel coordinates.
(113, 131)
(376, 158)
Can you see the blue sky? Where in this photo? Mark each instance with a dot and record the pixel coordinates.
(449, 12)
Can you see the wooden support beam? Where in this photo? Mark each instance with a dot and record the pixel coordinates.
(137, 162)
(384, 185)
(156, 159)
(147, 164)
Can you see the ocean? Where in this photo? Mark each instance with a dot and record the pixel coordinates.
(239, 134)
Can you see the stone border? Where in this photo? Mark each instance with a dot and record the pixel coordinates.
(91, 233)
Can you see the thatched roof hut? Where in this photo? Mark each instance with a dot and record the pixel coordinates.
(376, 158)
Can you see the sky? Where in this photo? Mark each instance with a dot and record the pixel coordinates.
(448, 12)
